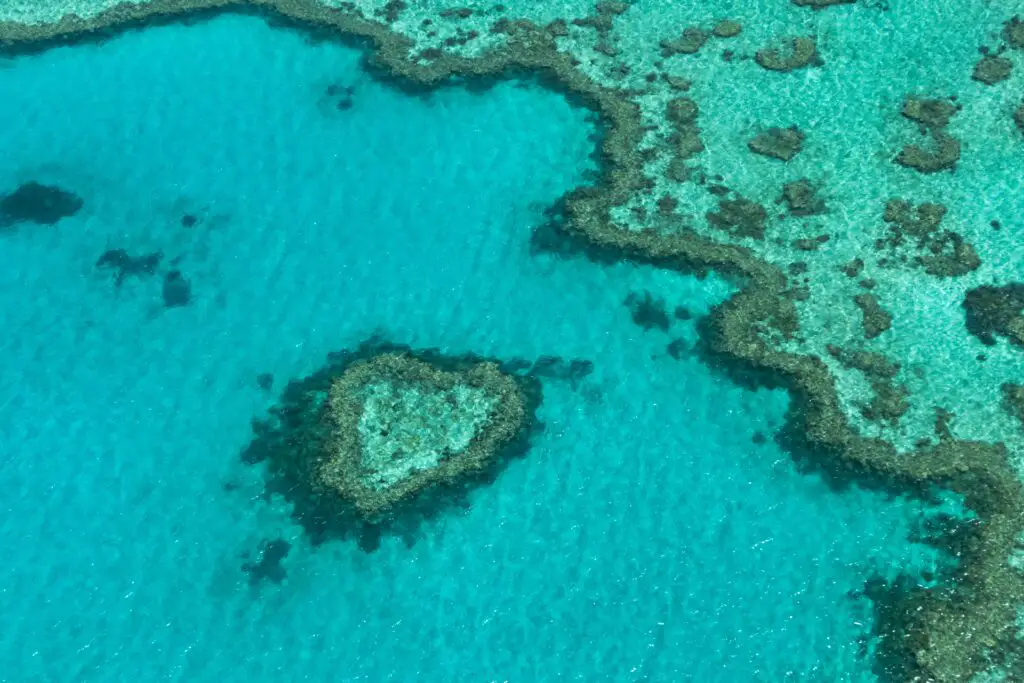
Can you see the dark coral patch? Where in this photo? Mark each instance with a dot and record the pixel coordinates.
(292, 438)
(125, 265)
(942, 153)
(778, 143)
(992, 69)
(996, 311)
(876, 319)
(739, 217)
(1013, 33)
(801, 197)
(928, 111)
(36, 203)
(557, 368)
(268, 566)
(648, 311)
(792, 53)
(177, 291)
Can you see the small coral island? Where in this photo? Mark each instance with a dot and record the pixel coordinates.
(385, 430)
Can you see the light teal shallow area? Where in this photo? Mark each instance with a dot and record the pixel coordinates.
(645, 536)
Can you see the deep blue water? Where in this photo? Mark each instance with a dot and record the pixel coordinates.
(644, 537)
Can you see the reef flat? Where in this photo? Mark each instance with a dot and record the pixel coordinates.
(875, 285)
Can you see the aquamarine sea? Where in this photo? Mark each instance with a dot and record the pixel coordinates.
(307, 206)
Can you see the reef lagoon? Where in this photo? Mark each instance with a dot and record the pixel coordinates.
(718, 388)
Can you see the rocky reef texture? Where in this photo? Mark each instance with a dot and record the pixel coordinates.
(399, 425)
(910, 400)
(996, 311)
(383, 436)
(34, 202)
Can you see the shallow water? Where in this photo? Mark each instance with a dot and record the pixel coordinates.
(644, 537)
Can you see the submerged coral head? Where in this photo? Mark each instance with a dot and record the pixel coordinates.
(400, 425)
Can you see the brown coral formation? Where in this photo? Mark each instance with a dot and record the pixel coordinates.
(876, 319)
(1013, 33)
(682, 113)
(690, 42)
(942, 150)
(941, 253)
(399, 425)
(992, 69)
(801, 198)
(889, 400)
(1013, 399)
(792, 53)
(739, 217)
(727, 28)
(778, 143)
(996, 311)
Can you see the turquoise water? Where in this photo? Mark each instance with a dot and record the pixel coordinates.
(644, 537)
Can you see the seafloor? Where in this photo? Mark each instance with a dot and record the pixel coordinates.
(793, 217)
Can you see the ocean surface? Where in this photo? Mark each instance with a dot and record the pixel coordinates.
(306, 206)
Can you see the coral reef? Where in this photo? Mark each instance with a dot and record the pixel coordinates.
(793, 53)
(727, 28)
(943, 150)
(777, 143)
(125, 265)
(993, 311)
(992, 69)
(647, 311)
(1013, 33)
(177, 291)
(1013, 397)
(801, 198)
(739, 217)
(399, 425)
(914, 233)
(34, 202)
(755, 337)
(876, 319)
(383, 436)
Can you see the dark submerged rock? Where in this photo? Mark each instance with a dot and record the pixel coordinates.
(993, 311)
(34, 202)
(740, 217)
(690, 42)
(648, 311)
(268, 567)
(928, 111)
(127, 265)
(943, 154)
(1013, 33)
(802, 198)
(778, 143)
(876, 319)
(727, 28)
(794, 53)
(265, 381)
(176, 291)
(992, 69)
